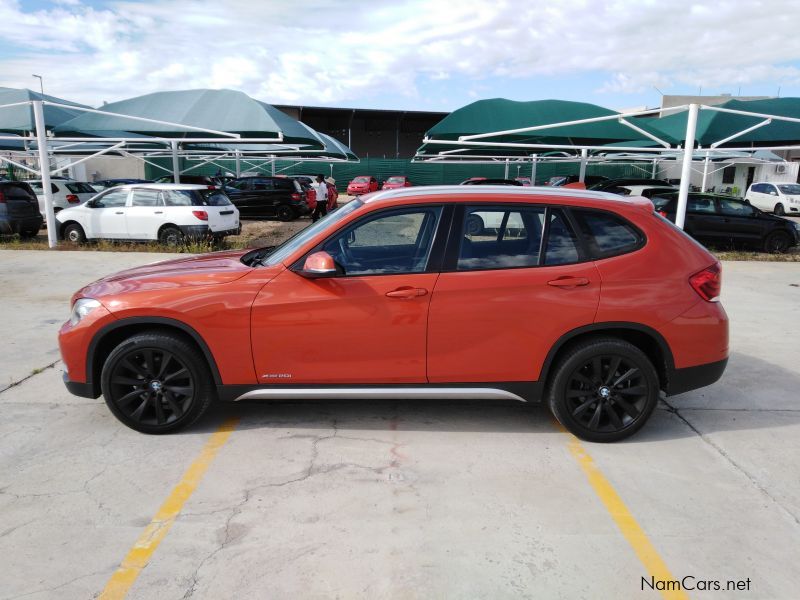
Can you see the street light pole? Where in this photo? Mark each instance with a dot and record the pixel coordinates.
(41, 83)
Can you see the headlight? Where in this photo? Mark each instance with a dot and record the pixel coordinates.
(81, 308)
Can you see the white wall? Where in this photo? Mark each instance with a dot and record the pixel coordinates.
(107, 167)
(763, 172)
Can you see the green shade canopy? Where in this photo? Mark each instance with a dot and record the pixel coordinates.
(331, 148)
(219, 110)
(499, 114)
(713, 126)
(19, 119)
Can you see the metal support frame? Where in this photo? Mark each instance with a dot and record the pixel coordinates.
(44, 167)
(176, 163)
(584, 160)
(705, 173)
(686, 170)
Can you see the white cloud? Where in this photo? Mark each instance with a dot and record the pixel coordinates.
(322, 51)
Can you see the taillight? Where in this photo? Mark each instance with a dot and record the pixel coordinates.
(296, 196)
(708, 283)
(2, 198)
(663, 213)
(200, 214)
(211, 187)
(73, 199)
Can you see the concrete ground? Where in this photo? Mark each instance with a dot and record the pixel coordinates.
(400, 499)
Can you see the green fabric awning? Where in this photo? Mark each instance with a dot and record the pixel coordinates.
(713, 126)
(19, 119)
(219, 110)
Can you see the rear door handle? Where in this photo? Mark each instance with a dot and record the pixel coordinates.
(568, 282)
(159, 212)
(407, 292)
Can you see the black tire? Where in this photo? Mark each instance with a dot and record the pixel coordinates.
(474, 225)
(603, 390)
(157, 382)
(778, 210)
(170, 236)
(28, 234)
(777, 242)
(286, 213)
(74, 234)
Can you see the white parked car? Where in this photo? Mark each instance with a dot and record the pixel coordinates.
(647, 191)
(66, 192)
(166, 212)
(780, 198)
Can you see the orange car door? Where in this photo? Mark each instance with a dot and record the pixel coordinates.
(507, 296)
(368, 324)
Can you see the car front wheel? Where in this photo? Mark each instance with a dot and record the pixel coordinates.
(603, 390)
(285, 213)
(778, 210)
(74, 234)
(156, 383)
(777, 242)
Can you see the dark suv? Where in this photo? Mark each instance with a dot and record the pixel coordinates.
(259, 197)
(19, 209)
(716, 219)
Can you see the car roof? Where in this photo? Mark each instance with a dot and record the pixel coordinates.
(162, 186)
(504, 193)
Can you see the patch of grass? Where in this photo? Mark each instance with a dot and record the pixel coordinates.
(188, 247)
(37, 371)
(750, 255)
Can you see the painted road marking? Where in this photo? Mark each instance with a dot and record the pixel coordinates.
(139, 555)
(626, 522)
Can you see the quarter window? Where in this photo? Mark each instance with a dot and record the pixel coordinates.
(113, 199)
(501, 238)
(607, 234)
(389, 243)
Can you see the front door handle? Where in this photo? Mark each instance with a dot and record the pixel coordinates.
(568, 282)
(159, 212)
(407, 292)
(119, 212)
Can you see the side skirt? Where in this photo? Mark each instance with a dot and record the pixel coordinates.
(518, 391)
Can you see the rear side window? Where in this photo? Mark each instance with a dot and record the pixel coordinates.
(81, 188)
(145, 198)
(18, 191)
(700, 205)
(179, 198)
(262, 184)
(734, 208)
(501, 237)
(607, 234)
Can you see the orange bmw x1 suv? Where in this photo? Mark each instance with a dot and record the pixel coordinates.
(589, 301)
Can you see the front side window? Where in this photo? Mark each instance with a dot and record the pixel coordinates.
(501, 237)
(387, 243)
(607, 234)
(770, 189)
(734, 208)
(262, 184)
(791, 189)
(113, 199)
(701, 204)
(145, 198)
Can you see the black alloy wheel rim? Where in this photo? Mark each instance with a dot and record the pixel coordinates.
(152, 386)
(778, 243)
(607, 394)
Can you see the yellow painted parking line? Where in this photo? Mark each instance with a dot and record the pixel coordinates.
(139, 555)
(631, 530)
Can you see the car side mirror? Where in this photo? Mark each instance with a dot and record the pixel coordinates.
(317, 265)
(773, 193)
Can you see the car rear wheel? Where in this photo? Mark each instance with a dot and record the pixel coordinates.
(778, 210)
(170, 236)
(285, 213)
(603, 390)
(74, 234)
(157, 383)
(777, 242)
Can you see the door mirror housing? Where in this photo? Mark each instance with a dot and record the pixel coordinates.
(317, 265)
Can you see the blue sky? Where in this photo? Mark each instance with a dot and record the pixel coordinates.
(410, 54)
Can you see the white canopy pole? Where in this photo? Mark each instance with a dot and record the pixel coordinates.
(533, 169)
(584, 159)
(505, 171)
(176, 163)
(705, 173)
(44, 167)
(686, 170)
(238, 163)
(655, 169)
(272, 161)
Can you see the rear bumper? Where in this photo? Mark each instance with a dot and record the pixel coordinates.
(204, 231)
(692, 378)
(11, 225)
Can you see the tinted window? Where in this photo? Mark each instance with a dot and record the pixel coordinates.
(215, 198)
(758, 188)
(729, 174)
(242, 184)
(81, 188)
(700, 205)
(770, 189)
(791, 189)
(262, 184)
(113, 199)
(734, 208)
(398, 242)
(17, 191)
(562, 244)
(501, 237)
(607, 234)
(145, 198)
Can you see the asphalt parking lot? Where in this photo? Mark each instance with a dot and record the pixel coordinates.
(396, 499)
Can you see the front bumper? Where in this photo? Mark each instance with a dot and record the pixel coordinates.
(77, 388)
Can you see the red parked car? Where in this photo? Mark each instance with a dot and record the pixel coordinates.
(396, 181)
(363, 184)
(588, 301)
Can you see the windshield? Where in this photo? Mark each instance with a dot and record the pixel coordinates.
(790, 189)
(297, 240)
(396, 179)
(361, 180)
